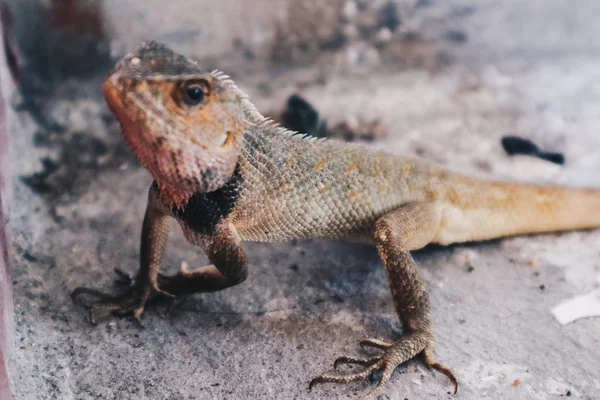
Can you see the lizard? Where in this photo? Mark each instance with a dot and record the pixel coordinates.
(227, 175)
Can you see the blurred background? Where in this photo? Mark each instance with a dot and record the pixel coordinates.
(445, 81)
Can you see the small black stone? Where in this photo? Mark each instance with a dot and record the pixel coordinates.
(388, 16)
(456, 36)
(299, 115)
(518, 145)
(27, 256)
(337, 298)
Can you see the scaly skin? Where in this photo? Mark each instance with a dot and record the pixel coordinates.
(227, 175)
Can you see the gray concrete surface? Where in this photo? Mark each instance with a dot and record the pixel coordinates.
(527, 68)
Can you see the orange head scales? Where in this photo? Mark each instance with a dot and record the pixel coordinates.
(184, 125)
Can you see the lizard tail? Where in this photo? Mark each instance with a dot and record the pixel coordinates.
(480, 210)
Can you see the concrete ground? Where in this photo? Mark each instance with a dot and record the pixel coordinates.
(528, 68)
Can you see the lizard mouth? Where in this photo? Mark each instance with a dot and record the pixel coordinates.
(124, 107)
(113, 92)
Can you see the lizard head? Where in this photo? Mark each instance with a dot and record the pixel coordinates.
(184, 125)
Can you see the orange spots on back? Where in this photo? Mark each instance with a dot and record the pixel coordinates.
(431, 193)
(323, 189)
(319, 164)
(383, 188)
(406, 167)
(350, 168)
(286, 187)
(377, 171)
(453, 195)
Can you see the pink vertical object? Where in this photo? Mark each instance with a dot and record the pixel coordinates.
(6, 305)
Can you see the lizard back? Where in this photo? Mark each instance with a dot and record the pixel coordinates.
(295, 187)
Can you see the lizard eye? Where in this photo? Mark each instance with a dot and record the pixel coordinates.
(193, 92)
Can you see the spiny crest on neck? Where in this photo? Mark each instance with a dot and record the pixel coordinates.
(270, 127)
(251, 114)
(254, 117)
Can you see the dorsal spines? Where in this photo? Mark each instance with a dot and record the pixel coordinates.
(253, 116)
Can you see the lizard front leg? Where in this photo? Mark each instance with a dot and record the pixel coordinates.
(223, 248)
(408, 228)
(155, 230)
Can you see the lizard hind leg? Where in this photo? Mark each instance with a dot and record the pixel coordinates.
(410, 227)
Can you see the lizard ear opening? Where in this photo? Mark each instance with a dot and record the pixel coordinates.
(192, 93)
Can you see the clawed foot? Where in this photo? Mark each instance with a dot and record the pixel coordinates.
(392, 356)
(133, 300)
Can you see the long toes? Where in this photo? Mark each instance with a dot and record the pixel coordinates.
(342, 378)
(119, 305)
(164, 314)
(353, 360)
(100, 307)
(428, 355)
(172, 303)
(448, 372)
(387, 374)
(88, 291)
(379, 344)
(137, 314)
(124, 278)
(92, 316)
(167, 312)
(162, 292)
(394, 354)
(122, 311)
(125, 306)
(133, 300)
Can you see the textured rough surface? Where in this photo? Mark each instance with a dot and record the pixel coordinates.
(6, 301)
(269, 336)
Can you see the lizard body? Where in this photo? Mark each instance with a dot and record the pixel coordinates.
(314, 188)
(228, 175)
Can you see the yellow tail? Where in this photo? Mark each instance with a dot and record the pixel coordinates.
(474, 209)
